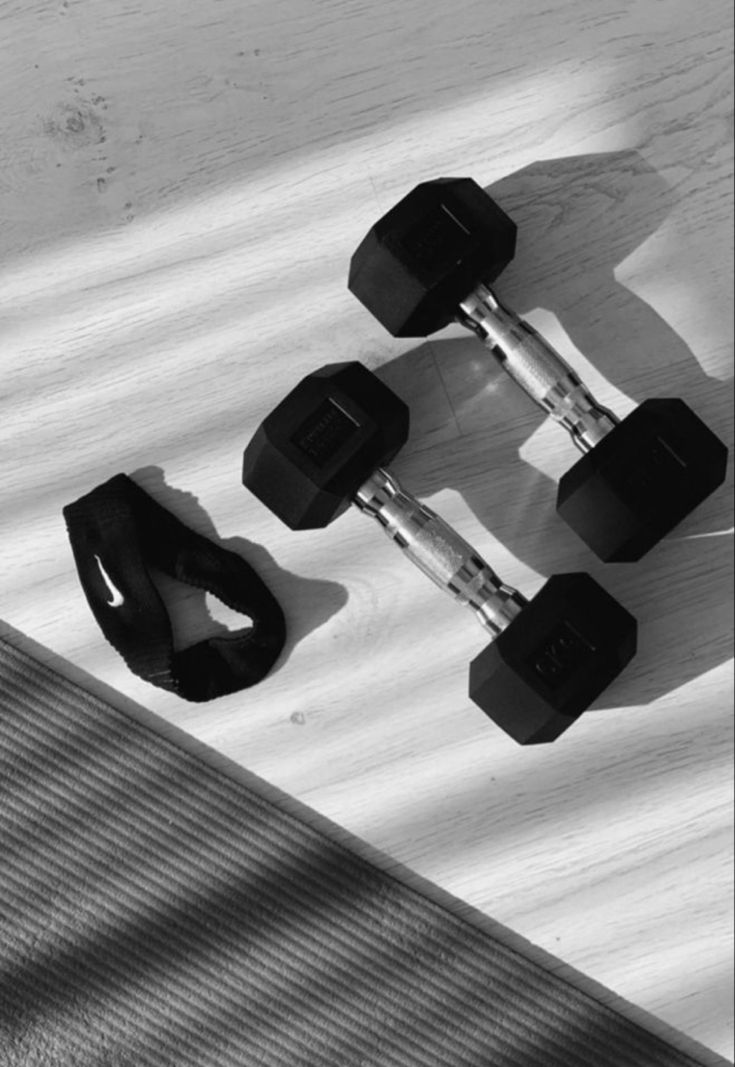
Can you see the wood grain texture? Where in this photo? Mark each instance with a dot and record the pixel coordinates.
(181, 189)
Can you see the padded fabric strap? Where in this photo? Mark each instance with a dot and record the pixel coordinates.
(117, 534)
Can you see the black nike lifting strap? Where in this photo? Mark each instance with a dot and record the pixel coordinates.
(117, 533)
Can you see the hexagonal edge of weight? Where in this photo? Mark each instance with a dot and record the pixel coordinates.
(588, 504)
(642, 480)
(317, 446)
(426, 254)
(511, 703)
(554, 660)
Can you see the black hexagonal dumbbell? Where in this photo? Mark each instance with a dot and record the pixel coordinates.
(430, 260)
(324, 447)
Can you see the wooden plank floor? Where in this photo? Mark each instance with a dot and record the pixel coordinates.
(181, 188)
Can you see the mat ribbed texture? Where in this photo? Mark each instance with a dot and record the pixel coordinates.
(155, 912)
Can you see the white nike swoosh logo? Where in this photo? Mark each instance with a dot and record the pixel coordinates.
(117, 597)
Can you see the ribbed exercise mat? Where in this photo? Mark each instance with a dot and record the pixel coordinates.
(156, 912)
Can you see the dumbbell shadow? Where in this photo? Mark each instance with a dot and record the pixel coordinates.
(578, 220)
(469, 424)
(307, 604)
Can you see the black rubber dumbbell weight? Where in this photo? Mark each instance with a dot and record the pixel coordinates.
(325, 447)
(431, 260)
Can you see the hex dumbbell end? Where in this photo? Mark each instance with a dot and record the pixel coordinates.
(553, 661)
(423, 257)
(641, 480)
(316, 448)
